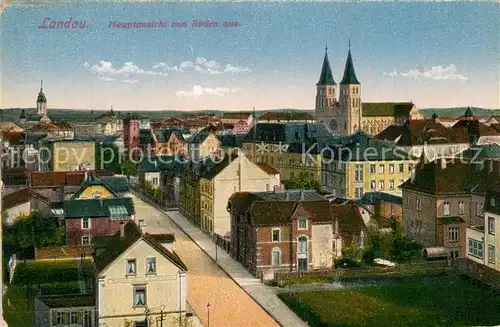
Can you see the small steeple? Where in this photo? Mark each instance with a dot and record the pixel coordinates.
(468, 114)
(326, 77)
(22, 115)
(349, 73)
(41, 96)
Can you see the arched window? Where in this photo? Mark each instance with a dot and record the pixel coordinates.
(302, 244)
(276, 257)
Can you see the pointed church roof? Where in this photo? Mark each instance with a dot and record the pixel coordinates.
(41, 96)
(326, 77)
(468, 112)
(22, 115)
(349, 73)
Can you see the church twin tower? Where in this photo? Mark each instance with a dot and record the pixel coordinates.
(342, 116)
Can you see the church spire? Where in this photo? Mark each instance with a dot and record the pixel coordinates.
(41, 85)
(349, 73)
(326, 77)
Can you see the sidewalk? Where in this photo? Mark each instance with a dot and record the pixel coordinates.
(262, 294)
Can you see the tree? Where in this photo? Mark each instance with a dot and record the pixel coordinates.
(302, 184)
(107, 156)
(129, 167)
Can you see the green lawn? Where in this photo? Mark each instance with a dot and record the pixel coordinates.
(448, 302)
(18, 309)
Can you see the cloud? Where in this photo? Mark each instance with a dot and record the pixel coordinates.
(107, 79)
(449, 72)
(198, 91)
(201, 65)
(105, 68)
(130, 81)
(233, 69)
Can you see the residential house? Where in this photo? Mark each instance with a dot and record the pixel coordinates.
(88, 218)
(287, 231)
(131, 135)
(241, 123)
(53, 130)
(65, 311)
(383, 207)
(477, 132)
(109, 123)
(62, 179)
(377, 116)
(202, 145)
(285, 117)
(139, 281)
(94, 187)
(362, 163)
(429, 135)
(233, 174)
(66, 155)
(293, 149)
(443, 198)
(23, 201)
(151, 167)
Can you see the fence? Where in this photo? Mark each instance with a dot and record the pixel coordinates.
(163, 203)
(222, 242)
(283, 277)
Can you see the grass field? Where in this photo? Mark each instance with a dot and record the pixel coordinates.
(446, 302)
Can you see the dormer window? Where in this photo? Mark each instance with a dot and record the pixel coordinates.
(302, 223)
(96, 195)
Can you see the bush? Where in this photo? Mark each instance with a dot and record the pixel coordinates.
(347, 263)
(60, 288)
(41, 272)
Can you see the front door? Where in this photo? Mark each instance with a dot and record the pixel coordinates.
(303, 264)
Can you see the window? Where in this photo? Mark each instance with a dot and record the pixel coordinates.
(131, 267)
(85, 240)
(73, 317)
(358, 177)
(373, 185)
(276, 235)
(358, 192)
(461, 207)
(276, 257)
(139, 296)
(475, 248)
(96, 195)
(446, 208)
(479, 210)
(401, 168)
(381, 185)
(491, 253)
(453, 233)
(85, 223)
(491, 225)
(391, 169)
(419, 205)
(381, 169)
(302, 246)
(372, 169)
(302, 223)
(407, 200)
(391, 184)
(410, 168)
(492, 201)
(150, 265)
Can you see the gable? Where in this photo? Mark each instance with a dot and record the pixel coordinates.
(249, 169)
(211, 140)
(139, 250)
(91, 190)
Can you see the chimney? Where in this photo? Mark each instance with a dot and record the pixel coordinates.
(443, 163)
(122, 230)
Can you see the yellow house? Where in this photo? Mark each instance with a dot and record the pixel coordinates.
(92, 188)
(364, 164)
(203, 145)
(67, 155)
(233, 174)
(140, 280)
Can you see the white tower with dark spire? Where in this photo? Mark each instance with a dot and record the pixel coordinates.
(41, 102)
(326, 110)
(350, 99)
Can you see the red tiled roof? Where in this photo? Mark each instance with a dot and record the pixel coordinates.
(484, 130)
(232, 116)
(63, 252)
(14, 137)
(22, 196)
(50, 127)
(63, 178)
(350, 219)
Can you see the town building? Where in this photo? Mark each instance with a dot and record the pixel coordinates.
(362, 163)
(131, 135)
(202, 145)
(240, 123)
(163, 142)
(346, 114)
(109, 123)
(289, 231)
(292, 149)
(383, 207)
(443, 198)
(21, 202)
(66, 155)
(65, 310)
(415, 136)
(281, 117)
(233, 174)
(477, 132)
(139, 280)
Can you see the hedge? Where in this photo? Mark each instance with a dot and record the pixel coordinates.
(42, 272)
(60, 288)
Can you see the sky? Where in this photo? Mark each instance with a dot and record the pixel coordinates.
(433, 54)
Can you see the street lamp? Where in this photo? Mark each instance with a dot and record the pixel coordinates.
(208, 314)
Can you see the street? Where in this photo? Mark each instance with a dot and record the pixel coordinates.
(230, 306)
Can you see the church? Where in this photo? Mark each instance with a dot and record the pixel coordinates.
(347, 114)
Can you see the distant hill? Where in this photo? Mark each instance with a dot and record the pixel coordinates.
(88, 115)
